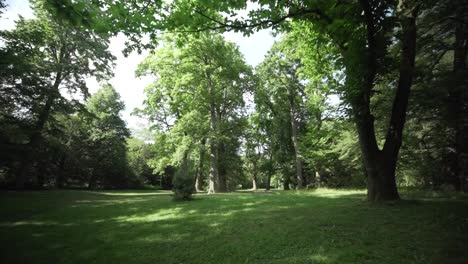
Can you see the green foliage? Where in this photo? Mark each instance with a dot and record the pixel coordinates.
(197, 96)
(183, 184)
(138, 155)
(107, 136)
(41, 59)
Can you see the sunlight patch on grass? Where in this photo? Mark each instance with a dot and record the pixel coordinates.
(318, 258)
(172, 213)
(333, 193)
(132, 193)
(32, 223)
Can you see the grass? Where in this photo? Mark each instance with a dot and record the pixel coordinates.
(324, 226)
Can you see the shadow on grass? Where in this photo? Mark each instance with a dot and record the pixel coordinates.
(287, 227)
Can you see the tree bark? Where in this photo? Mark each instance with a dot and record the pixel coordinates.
(222, 177)
(30, 151)
(254, 175)
(213, 142)
(199, 174)
(380, 165)
(294, 138)
(213, 177)
(317, 179)
(286, 181)
(269, 172)
(59, 179)
(458, 98)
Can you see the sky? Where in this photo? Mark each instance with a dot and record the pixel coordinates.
(131, 88)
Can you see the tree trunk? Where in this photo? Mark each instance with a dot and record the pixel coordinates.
(28, 157)
(254, 175)
(317, 179)
(458, 94)
(286, 181)
(30, 151)
(268, 181)
(59, 179)
(199, 174)
(222, 179)
(213, 142)
(213, 178)
(294, 138)
(380, 165)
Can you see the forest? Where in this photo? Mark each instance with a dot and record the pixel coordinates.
(358, 104)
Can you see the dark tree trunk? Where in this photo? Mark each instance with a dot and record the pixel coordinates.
(380, 165)
(268, 181)
(28, 157)
(458, 94)
(60, 178)
(41, 173)
(92, 183)
(286, 181)
(30, 151)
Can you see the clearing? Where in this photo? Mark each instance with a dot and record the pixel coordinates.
(322, 226)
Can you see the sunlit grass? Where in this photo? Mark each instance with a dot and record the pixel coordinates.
(334, 193)
(311, 226)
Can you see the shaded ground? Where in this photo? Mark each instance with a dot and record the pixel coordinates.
(324, 226)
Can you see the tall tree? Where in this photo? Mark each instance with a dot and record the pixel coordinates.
(279, 73)
(108, 133)
(198, 95)
(42, 57)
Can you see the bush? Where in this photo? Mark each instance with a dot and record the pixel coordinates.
(183, 185)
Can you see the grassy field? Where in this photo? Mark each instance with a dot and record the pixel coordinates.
(323, 226)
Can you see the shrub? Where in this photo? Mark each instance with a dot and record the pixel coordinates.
(183, 185)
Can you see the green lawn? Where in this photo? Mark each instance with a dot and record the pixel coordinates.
(323, 226)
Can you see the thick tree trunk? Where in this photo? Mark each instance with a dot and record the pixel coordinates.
(29, 155)
(458, 94)
(380, 165)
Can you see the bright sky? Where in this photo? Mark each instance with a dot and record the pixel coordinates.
(131, 88)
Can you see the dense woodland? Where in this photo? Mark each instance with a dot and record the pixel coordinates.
(354, 93)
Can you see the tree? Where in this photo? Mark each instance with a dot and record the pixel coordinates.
(138, 155)
(196, 100)
(42, 57)
(285, 88)
(107, 134)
